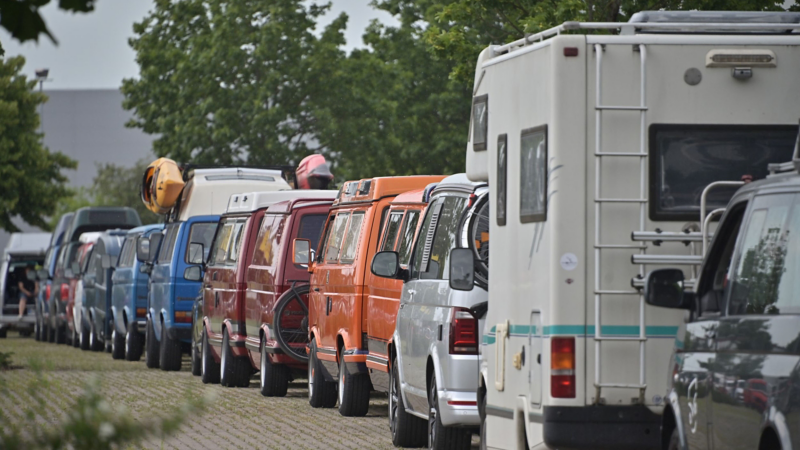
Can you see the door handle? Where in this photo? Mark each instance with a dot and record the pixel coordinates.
(316, 289)
(328, 307)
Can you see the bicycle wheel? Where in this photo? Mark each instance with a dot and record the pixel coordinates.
(290, 324)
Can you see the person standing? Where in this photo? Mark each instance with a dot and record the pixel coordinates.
(28, 289)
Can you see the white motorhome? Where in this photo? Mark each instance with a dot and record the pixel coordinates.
(597, 147)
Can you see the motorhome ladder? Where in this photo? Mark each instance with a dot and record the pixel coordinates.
(599, 200)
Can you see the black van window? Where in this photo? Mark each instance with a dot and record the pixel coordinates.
(761, 258)
(407, 240)
(684, 159)
(392, 229)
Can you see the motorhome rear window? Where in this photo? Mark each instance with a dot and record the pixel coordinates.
(684, 159)
(480, 122)
(502, 177)
(533, 175)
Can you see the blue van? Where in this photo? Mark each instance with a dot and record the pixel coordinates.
(97, 282)
(172, 295)
(130, 285)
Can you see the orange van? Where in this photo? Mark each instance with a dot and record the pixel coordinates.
(351, 313)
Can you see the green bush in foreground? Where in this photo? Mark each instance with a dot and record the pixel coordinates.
(91, 423)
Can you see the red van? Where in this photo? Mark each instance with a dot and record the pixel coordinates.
(351, 312)
(244, 276)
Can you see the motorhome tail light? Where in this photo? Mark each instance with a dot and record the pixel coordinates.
(141, 312)
(741, 57)
(570, 51)
(64, 292)
(562, 367)
(183, 316)
(463, 332)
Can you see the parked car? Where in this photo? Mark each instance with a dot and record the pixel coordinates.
(23, 255)
(86, 220)
(434, 350)
(130, 285)
(244, 278)
(192, 219)
(743, 322)
(346, 325)
(97, 288)
(45, 279)
(76, 299)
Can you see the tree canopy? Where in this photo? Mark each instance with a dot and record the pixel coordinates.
(31, 181)
(22, 19)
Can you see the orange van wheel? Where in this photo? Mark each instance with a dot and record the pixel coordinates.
(321, 393)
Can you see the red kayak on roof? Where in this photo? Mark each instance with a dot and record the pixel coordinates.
(313, 173)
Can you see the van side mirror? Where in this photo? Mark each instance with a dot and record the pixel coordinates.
(462, 269)
(143, 248)
(42, 274)
(301, 251)
(664, 288)
(193, 273)
(386, 264)
(75, 268)
(196, 253)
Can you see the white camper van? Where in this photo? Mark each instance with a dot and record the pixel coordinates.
(597, 147)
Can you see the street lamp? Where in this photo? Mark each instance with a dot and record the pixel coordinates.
(41, 76)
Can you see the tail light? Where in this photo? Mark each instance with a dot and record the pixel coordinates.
(64, 292)
(463, 333)
(141, 312)
(562, 367)
(47, 292)
(183, 316)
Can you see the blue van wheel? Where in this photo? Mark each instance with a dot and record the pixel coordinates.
(152, 354)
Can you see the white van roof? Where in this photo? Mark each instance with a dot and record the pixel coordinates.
(209, 190)
(28, 243)
(253, 201)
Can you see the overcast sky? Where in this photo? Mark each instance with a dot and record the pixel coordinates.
(93, 51)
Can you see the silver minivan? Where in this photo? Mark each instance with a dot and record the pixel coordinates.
(437, 335)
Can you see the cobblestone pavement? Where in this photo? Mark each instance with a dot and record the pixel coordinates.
(237, 418)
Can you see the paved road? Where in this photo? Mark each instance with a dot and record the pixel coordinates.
(237, 418)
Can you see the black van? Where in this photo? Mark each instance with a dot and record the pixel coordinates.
(736, 369)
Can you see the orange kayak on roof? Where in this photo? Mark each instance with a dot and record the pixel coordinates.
(161, 185)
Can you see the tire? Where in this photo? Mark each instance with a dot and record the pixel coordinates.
(353, 391)
(674, 440)
(76, 340)
(134, 343)
(482, 413)
(60, 334)
(170, 356)
(37, 330)
(117, 344)
(407, 430)
(95, 344)
(51, 333)
(441, 437)
(234, 372)
(84, 338)
(197, 368)
(45, 335)
(152, 352)
(274, 377)
(210, 368)
(321, 393)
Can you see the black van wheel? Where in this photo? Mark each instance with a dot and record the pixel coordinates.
(170, 357)
(353, 391)
(210, 367)
(321, 393)
(95, 344)
(407, 430)
(197, 368)
(441, 437)
(151, 356)
(234, 372)
(117, 344)
(134, 345)
(274, 377)
(84, 338)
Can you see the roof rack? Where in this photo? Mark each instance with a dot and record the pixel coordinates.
(793, 165)
(673, 22)
(288, 172)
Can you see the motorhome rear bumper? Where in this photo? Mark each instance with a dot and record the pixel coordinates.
(602, 427)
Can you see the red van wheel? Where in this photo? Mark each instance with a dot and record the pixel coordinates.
(290, 323)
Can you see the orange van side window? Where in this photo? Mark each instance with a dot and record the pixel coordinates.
(334, 243)
(392, 228)
(353, 235)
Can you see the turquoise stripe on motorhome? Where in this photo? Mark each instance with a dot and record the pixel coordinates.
(583, 330)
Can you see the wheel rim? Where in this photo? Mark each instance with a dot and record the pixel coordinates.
(114, 340)
(222, 363)
(91, 338)
(393, 392)
(127, 342)
(341, 381)
(432, 417)
(263, 365)
(203, 354)
(311, 374)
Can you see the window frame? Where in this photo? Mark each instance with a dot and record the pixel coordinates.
(480, 146)
(535, 217)
(190, 241)
(396, 212)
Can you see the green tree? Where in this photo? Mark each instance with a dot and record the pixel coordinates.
(393, 110)
(226, 81)
(31, 183)
(459, 29)
(22, 19)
